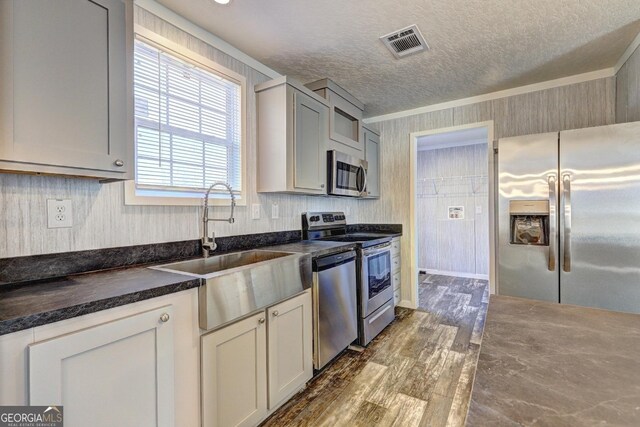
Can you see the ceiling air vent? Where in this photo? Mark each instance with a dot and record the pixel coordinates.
(405, 42)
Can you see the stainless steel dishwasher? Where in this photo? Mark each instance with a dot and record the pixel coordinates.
(335, 309)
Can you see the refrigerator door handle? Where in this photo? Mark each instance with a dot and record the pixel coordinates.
(566, 192)
(552, 222)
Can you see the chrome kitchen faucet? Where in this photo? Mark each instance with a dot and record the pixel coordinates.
(209, 243)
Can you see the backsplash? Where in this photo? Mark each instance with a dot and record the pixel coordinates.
(101, 218)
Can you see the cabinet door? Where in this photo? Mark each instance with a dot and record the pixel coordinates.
(290, 347)
(117, 373)
(310, 133)
(234, 374)
(63, 81)
(345, 123)
(372, 156)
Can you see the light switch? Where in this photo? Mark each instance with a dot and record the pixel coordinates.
(478, 210)
(275, 211)
(255, 211)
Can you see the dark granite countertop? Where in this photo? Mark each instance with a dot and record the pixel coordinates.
(26, 304)
(29, 305)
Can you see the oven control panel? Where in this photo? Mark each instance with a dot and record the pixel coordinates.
(323, 219)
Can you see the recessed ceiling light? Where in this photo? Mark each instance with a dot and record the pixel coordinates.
(222, 1)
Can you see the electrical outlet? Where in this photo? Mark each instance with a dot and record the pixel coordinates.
(59, 213)
(275, 211)
(255, 211)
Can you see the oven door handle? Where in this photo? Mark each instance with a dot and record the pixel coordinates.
(377, 250)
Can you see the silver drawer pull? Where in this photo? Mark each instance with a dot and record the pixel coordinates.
(374, 318)
(261, 320)
(119, 163)
(165, 317)
(275, 313)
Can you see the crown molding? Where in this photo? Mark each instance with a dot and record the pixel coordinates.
(627, 53)
(549, 84)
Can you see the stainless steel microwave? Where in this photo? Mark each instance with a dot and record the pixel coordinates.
(347, 175)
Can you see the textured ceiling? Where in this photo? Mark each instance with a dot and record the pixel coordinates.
(477, 46)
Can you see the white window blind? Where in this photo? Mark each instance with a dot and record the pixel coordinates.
(187, 124)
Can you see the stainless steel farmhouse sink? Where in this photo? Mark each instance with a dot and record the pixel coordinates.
(206, 267)
(241, 283)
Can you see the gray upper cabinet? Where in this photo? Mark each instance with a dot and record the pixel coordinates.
(372, 156)
(65, 96)
(310, 119)
(293, 129)
(345, 118)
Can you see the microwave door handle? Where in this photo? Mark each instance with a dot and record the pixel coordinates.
(363, 191)
(566, 192)
(552, 222)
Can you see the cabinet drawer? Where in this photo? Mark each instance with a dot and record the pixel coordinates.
(396, 281)
(396, 297)
(395, 264)
(395, 245)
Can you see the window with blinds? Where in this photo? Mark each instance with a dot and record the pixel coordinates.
(188, 125)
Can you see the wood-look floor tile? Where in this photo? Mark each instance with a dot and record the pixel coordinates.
(406, 411)
(369, 414)
(450, 375)
(397, 372)
(341, 411)
(465, 329)
(436, 414)
(424, 375)
(461, 401)
(478, 326)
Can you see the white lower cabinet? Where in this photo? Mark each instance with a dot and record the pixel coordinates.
(252, 366)
(126, 366)
(234, 374)
(290, 348)
(117, 373)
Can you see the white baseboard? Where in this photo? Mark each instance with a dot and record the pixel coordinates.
(407, 304)
(455, 274)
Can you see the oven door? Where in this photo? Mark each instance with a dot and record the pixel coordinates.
(375, 279)
(347, 175)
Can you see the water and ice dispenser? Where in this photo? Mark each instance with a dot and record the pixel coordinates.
(529, 222)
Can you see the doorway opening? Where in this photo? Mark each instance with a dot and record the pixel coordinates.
(452, 215)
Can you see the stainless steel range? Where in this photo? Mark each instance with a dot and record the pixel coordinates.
(374, 285)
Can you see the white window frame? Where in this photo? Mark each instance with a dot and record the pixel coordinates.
(132, 196)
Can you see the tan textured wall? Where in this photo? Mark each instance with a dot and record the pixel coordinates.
(102, 220)
(569, 107)
(628, 90)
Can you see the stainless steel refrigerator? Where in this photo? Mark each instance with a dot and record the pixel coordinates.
(569, 217)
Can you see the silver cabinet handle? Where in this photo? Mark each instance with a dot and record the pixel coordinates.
(275, 313)
(261, 320)
(164, 318)
(552, 222)
(321, 185)
(119, 163)
(566, 191)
